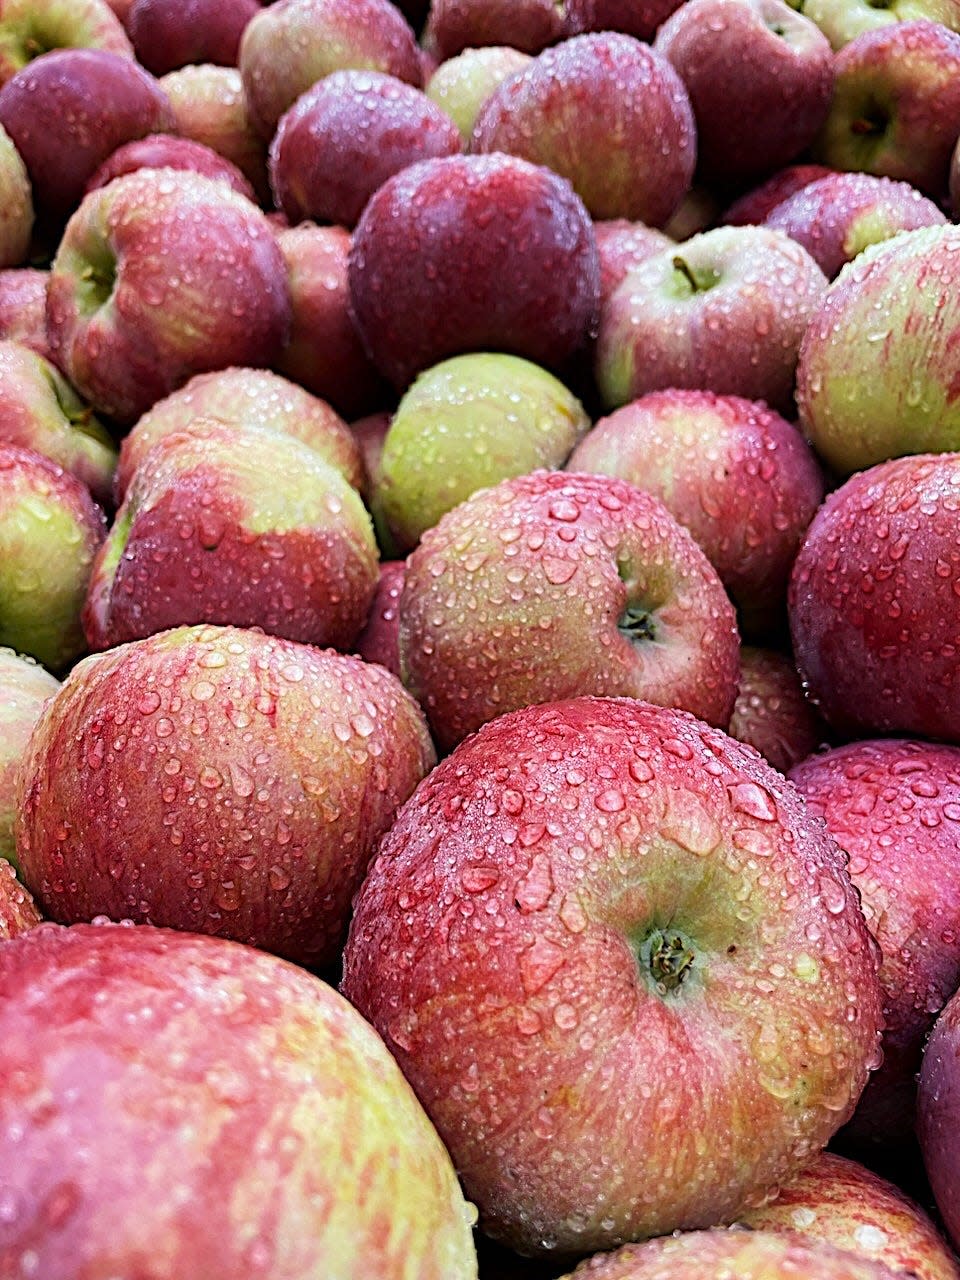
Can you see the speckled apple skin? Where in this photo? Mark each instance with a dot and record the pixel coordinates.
(25, 688)
(497, 944)
(874, 601)
(220, 781)
(167, 151)
(23, 308)
(29, 26)
(514, 597)
(753, 207)
(527, 25)
(174, 1106)
(379, 641)
(18, 911)
(938, 1108)
(771, 713)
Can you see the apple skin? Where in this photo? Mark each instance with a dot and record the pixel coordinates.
(25, 688)
(771, 713)
(467, 423)
(436, 246)
(40, 410)
(379, 641)
(755, 205)
(244, 398)
(623, 245)
(281, 1136)
(50, 531)
(161, 275)
(725, 311)
(874, 612)
(759, 76)
(896, 105)
(100, 99)
(461, 85)
(30, 28)
(209, 107)
(748, 1255)
(16, 206)
(167, 151)
(893, 807)
(508, 944)
(737, 475)
(553, 585)
(639, 18)
(454, 26)
(292, 44)
(847, 1205)
(370, 433)
(200, 538)
(837, 217)
(876, 377)
(23, 308)
(938, 1107)
(169, 34)
(247, 779)
(18, 911)
(344, 137)
(843, 20)
(606, 112)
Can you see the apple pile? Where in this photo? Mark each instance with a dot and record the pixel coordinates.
(479, 639)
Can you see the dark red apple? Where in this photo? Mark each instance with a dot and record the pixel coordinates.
(938, 1114)
(526, 25)
(771, 712)
(379, 641)
(755, 205)
(168, 34)
(166, 151)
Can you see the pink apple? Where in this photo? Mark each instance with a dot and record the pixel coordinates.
(18, 912)
(578, 891)
(166, 151)
(25, 689)
(623, 245)
(168, 34)
(31, 28)
(771, 713)
(379, 641)
(23, 308)
(16, 204)
(755, 205)
(938, 1111)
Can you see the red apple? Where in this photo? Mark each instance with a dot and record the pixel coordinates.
(938, 1112)
(755, 205)
(168, 34)
(166, 151)
(623, 245)
(23, 308)
(526, 25)
(31, 28)
(379, 641)
(639, 18)
(25, 689)
(18, 912)
(771, 713)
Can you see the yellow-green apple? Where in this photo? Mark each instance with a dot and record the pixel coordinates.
(344, 137)
(99, 99)
(623, 245)
(25, 688)
(938, 1114)
(454, 26)
(843, 20)
(23, 308)
(50, 531)
(771, 713)
(379, 641)
(167, 151)
(292, 44)
(235, 525)
(742, 479)
(759, 76)
(209, 107)
(558, 584)
(324, 353)
(874, 602)
(183, 1106)
(837, 217)
(877, 374)
(754, 206)
(473, 253)
(846, 1204)
(467, 423)
(217, 780)
(160, 275)
(18, 911)
(40, 410)
(896, 105)
(461, 85)
(893, 806)
(244, 398)
(31, 28)
(725, 311)
(16, 204)
(579, 892)
(168, 34)
(606, 112)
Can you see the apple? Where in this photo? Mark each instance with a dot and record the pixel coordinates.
(168, 34)
(836, 217)
(31, 28)
(454, 26)
(877, 371)
(370, 433)
(759, 76)
(639, 18)
(874, 607)
(200, 537)
(244, 398)
(755, 205)
(771, 713)
(209, 107)
(25, 688)
(473, 253)
(100, 101)
(725, 312)
(938, 1107)
(23, 308)
(218, 780)
(379, 641)
(556, 584)
(896, 105)
(843, 20)
(40, 410)
(18, 911)
(50, 530)
(183, 1106)
(579, 890)
(737, 475)
(461, 85)
(16, 204)
(166, 151)
(292, 44)
(324, 353)
(623, 245)
(344, 137)
(469, 422)
(699, 210)
(605, 111)
(161, 275)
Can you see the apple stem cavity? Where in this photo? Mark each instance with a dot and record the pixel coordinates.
(690, 281)
(636, 623)
(668, 957)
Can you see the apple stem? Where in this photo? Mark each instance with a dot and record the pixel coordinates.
(683, 267)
